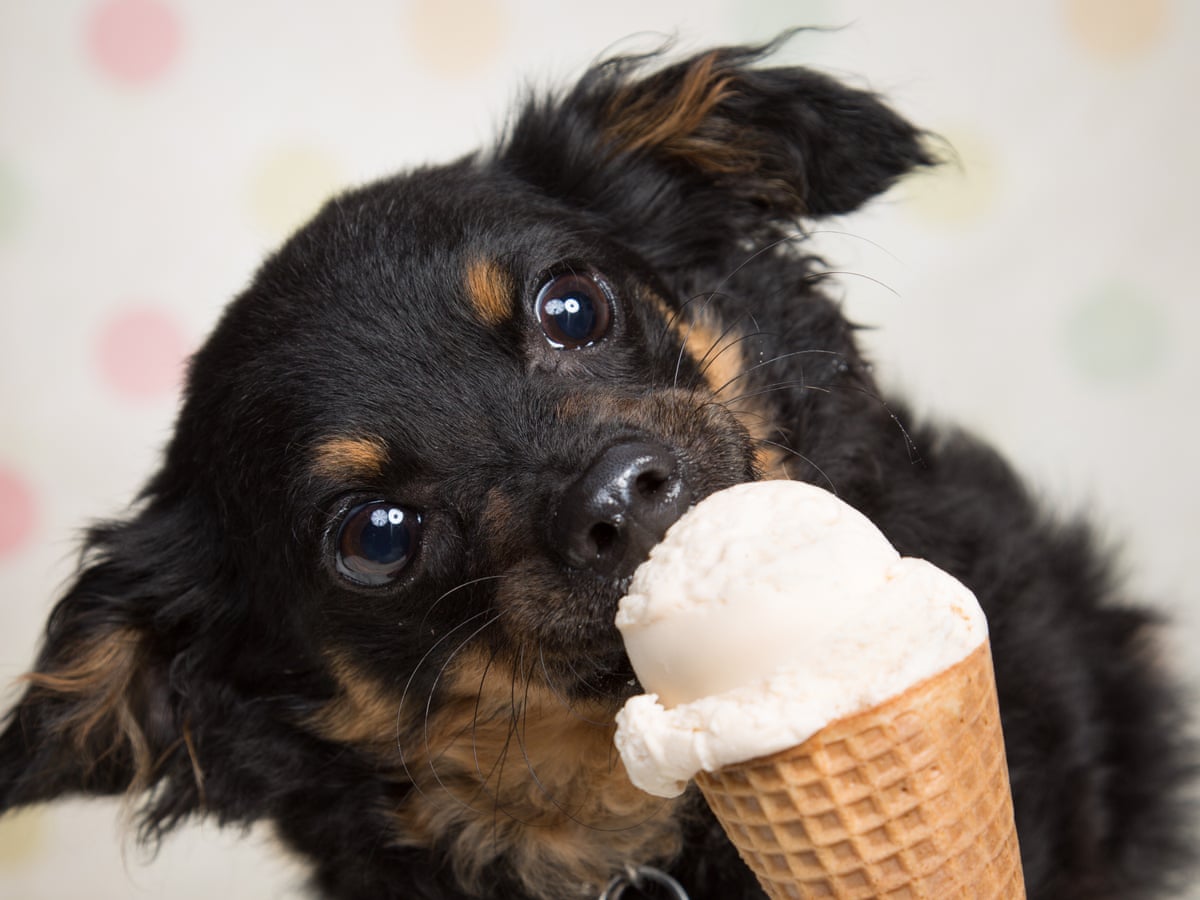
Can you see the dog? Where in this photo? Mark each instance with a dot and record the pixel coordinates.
(369, 594)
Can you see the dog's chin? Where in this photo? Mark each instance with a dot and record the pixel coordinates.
(601, 673)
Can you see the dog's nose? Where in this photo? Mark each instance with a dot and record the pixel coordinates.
(608, 520)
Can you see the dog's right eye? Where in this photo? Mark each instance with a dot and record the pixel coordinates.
(376, 541)
(574, 310)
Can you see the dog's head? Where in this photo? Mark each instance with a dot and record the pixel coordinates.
(420, 456)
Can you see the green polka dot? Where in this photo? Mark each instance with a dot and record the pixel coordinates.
(11, 201)
(757, 21)
(1116, 333)
(22, 838)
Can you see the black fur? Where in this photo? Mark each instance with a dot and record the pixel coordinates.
(207, 655)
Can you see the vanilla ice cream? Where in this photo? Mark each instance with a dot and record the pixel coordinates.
(768, 611)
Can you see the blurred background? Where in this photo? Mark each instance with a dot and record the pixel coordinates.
(1041, 290)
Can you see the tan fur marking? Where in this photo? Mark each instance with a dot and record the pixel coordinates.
(507, 768)
(512, 769)
(365, 714)
(96, 684)
(347, 458)
(645, 116)
(490, 290)
(719, 355)
(197, 772)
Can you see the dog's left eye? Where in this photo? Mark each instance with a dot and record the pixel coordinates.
(376, 541)
(574, 311)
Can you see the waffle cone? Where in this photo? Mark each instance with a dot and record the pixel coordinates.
(909, 800)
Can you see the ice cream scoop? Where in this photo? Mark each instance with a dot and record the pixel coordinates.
(769, 610)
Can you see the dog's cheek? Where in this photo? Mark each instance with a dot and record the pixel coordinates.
(542, 615)
(725, 376)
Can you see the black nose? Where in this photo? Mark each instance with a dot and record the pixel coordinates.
(608, 520)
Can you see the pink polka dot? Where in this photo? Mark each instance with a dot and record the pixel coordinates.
(17, 512)
(134, 41)
(141, 354)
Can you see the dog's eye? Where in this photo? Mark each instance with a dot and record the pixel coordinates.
(574, 311)
(376, 541)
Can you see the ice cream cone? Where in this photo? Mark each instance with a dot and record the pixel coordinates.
(909, 799)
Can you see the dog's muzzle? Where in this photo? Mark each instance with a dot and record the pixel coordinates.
(609, 518)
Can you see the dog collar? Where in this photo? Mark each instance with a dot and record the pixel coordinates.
(640, 876)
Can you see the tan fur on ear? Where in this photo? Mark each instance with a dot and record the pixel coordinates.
(95, 684)
(671, 117)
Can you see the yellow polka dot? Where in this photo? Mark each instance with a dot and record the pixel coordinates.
(456, 38)
(22, 838)
(960, 191)
(1116, 31)
(289, 186)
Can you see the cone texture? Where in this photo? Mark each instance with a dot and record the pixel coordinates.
(907, 800)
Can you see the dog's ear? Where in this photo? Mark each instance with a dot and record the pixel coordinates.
(102, 711)
(712, 144)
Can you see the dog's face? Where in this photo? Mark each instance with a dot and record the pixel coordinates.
(420, 457)
(472, 410)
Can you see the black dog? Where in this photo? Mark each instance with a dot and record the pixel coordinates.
(369, 596)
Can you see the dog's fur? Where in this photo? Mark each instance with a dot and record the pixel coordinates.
(449, 733)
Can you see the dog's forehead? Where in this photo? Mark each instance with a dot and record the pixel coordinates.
(387, 325)
(443, 246)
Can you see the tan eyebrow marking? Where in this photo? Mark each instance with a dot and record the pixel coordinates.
(490, 290)
(349, 457)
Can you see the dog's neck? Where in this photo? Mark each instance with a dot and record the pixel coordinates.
(505, 773)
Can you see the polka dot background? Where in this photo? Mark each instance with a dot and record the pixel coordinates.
(1040, 288)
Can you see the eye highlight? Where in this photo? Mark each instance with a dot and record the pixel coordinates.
(376, 541)
(574, 311)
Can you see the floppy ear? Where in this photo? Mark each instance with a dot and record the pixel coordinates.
(99, 714)
(711, 146)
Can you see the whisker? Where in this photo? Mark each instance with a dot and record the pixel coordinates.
(766, 248)
(497, 768)
(825, 273)
(705, 363)
(429, 703)
(566, 703)
(408, 687)
(683, 346)
(465, 584)
(548, 794)
(857, 237)
(779, 358)
(778, 386)
(579, 677)
(784, 447)
(671, 320)
(799, 236)
(475, 719)
(914, 453)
